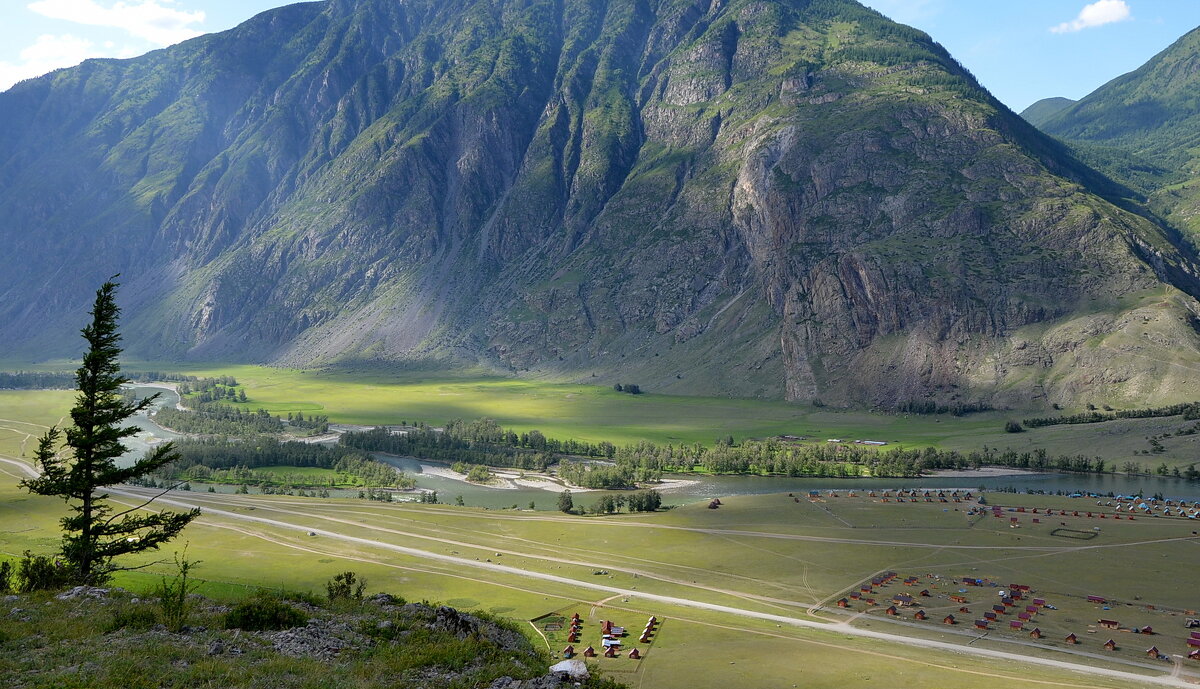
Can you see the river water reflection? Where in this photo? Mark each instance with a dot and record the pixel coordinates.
(704, 487)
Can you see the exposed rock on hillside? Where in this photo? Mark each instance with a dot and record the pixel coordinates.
(782, 198)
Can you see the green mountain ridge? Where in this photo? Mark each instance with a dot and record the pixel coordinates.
(1044, 109)
(775, 198)
(1144, 127)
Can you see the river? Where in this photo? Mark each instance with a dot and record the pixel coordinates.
(705, 487)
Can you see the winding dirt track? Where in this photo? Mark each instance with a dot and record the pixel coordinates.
(205, 503)
(206, 506)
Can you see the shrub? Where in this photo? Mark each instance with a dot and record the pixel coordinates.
(41, 573)
(264, 612)
(6, 577)
(173, 593)
(1013, 427)
(345, 586)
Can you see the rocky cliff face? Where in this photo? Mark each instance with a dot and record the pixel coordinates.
(779, 198)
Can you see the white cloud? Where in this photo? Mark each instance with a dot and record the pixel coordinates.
(46, 54)
(150, 20)
(1098, 13)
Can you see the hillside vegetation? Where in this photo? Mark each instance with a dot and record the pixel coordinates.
(789, 199)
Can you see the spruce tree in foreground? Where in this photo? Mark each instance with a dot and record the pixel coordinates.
(94, 535)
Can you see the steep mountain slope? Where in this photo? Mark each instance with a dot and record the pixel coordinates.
(1044, 109)
(1145, 127)
(760, 197)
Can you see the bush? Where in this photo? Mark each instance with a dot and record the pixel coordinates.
(1013, 427)
(41, 573)
(6, 577)
(173, 593)
(345, 586)
(262, 613)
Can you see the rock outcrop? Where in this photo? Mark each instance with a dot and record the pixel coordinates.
(776, 198)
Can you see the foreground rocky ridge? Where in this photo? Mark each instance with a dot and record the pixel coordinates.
(778, 198)
(110, 638)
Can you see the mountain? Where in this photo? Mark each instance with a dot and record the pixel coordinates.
(1044, 109)
(777, 198)
(1145, 128)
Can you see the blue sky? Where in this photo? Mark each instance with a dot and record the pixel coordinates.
(1022, 50)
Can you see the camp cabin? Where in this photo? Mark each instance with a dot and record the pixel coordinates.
(1035, 634)
(634, 654)
(1071, 639)
(949, 619)
(1108, 624)
(569, 652)
(1110, 645)
(1152, 652)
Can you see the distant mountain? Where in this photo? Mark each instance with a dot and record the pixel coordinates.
(1145, 127)
(779, 198)
(1044, 109)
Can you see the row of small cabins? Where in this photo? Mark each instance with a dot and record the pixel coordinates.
(914, 495)
(610, 638)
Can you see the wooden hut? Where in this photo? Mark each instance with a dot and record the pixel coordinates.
(1110, 645)
(569, 652)
(920, 615)
(981, 624)
(610, 652)
(1152, 652)
(949, 619)
(891, 611)
(1035, 634)
(634, 654)
(843, 603)
(1108, 624)
(589, 652)
(1071, 638)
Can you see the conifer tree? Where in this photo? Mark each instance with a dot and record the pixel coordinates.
(94, 534)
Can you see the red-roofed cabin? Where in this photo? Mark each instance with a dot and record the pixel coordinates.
(964, 609)
(843, 603)
(610, 652)
(920, 615)
(891, 610)
(1031, 609)
(1108, 624)
(1194, 654)
(589, 652)
(1194, 643)
(998, 608)
(634, 654)
(981, 624)
(989, 615)
(569, 652)
(949, 619)
(924, 592)
(1035, 634)
(1016, 624)
(1110, 645)
(1072, 639)
(959, 599)
(573, 638)
(1023, 616)
(1096, 599)
(1152, 652)
(1147, 630)
(575, 617)
(644, 638)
